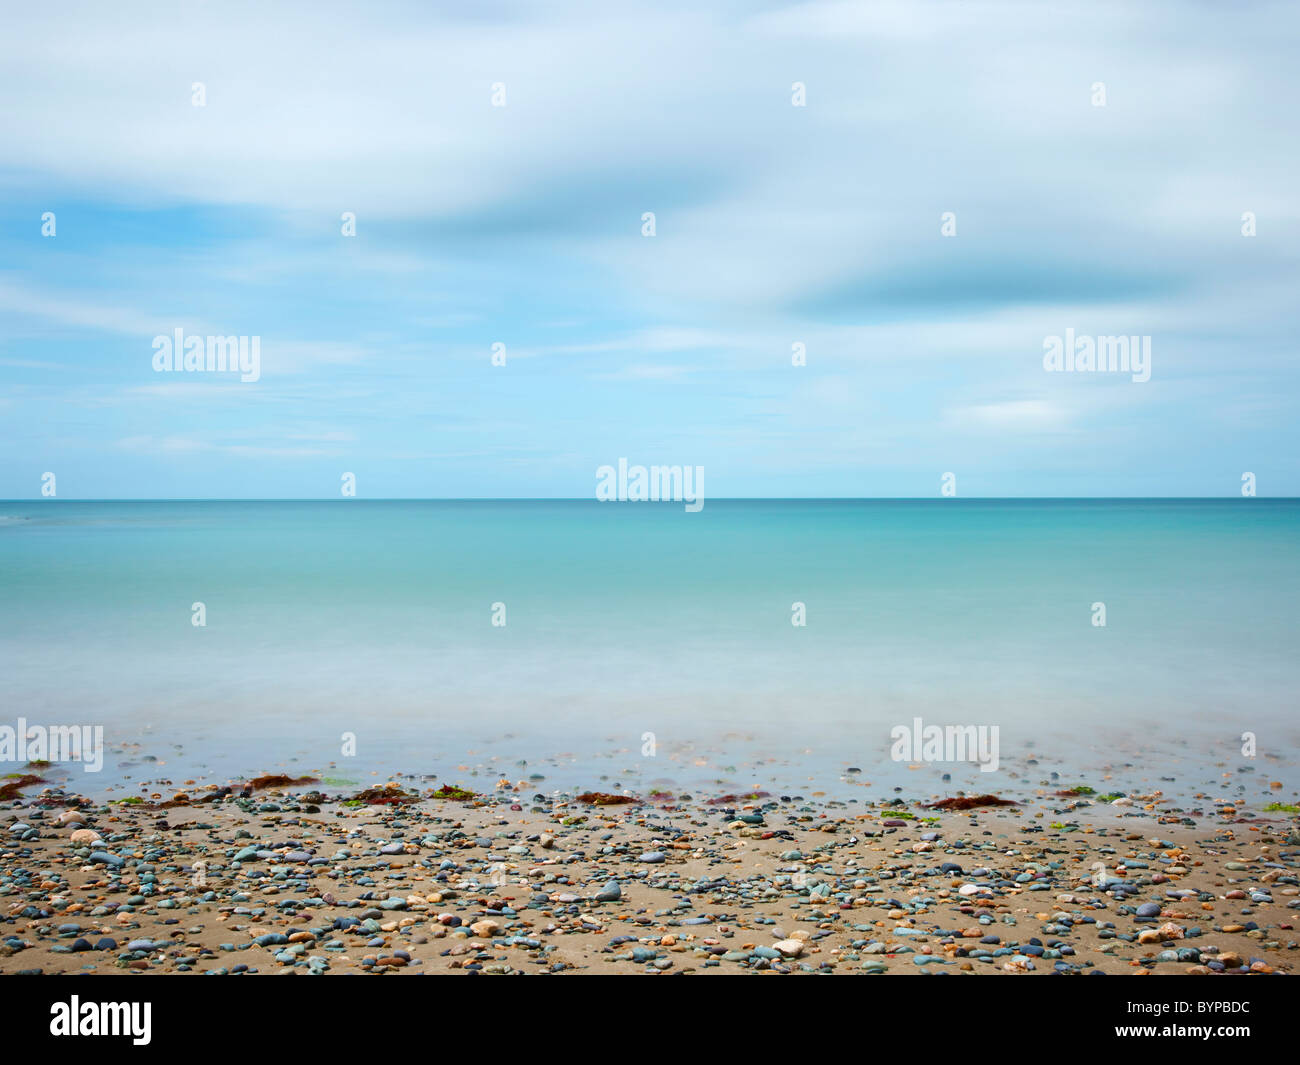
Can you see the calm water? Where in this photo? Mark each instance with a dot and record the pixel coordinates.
(376, 618)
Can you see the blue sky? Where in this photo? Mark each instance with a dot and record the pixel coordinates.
(775, 225)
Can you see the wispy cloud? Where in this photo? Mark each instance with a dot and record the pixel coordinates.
(1013, 415)
(778, 228)
(178, 445)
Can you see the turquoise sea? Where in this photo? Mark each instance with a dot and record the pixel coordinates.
(376, 618)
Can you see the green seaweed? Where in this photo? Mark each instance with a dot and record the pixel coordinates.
(454, 792)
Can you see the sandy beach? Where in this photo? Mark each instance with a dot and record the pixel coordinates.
(418, 876)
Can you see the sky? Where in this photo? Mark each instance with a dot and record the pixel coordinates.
(775, 225)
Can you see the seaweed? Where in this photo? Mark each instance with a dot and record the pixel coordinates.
(731, 800)
(967, 802)
(454, 792)
(279, 780)
(18, 781)
(605, 798)
(391, 795)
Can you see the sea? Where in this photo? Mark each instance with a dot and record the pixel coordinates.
(770, 645)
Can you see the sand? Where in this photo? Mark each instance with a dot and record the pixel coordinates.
(508, 882)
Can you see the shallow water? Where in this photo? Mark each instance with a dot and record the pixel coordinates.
(375, 618)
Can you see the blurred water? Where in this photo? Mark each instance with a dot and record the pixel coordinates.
(375, 617)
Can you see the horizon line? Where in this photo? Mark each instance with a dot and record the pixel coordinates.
(668, 502)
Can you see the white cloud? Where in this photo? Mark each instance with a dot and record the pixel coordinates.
(22, 300)
(1013, 415)
(179, 445)
(649, 372)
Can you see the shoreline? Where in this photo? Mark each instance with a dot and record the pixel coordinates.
(393, 878)
(1195, 772)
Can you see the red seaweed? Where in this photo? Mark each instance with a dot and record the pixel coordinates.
(605, 798)
(275, 780)
(968, 802)
(10, 789)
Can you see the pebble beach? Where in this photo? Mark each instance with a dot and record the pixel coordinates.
(280, 875)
